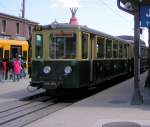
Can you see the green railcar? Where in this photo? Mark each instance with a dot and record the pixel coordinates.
(66, 56)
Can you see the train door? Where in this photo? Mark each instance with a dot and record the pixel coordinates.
(6, 54)
(16, 50)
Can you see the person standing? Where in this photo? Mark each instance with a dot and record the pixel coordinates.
(16, 68)
(4, 65)
(1, 70)
(11, 69)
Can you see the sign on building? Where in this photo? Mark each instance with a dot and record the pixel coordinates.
(145, 16)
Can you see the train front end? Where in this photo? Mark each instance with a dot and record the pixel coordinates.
(55, 63)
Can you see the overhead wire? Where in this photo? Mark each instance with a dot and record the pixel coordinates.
(99, 2)
(110, 8)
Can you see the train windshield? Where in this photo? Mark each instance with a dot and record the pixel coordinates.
(63, 46)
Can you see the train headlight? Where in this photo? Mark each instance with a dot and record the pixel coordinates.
(47, 69)
(68, 70)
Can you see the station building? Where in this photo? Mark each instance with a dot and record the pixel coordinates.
(15, 26)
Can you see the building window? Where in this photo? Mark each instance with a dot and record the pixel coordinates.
(17, 25)
(3, 26)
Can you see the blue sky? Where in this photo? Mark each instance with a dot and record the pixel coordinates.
(102, 15)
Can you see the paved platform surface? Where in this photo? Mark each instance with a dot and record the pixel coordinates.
(111, 105)
(10, 90)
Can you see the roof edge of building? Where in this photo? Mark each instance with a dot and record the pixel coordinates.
(4, 15)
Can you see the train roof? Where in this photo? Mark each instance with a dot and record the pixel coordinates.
(131, 39)
(56, 25)
(10, 37)
(13, 42)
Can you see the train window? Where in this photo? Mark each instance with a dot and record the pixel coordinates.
(100, 47)
(115, 49)
(120, 50)
(144, 52)
(108, 48)
(39, 46)
(1, 53)
(63, 46)
(125, 51)
(84, 46)
(6, 54)
(15, 50)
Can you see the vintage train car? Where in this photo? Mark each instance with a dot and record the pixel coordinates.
(66, 56)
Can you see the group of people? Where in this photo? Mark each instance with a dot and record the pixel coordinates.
(12, 69)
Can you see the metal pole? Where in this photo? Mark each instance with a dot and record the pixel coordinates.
(23, 17)
(137, 98)
(147, 82)
(23, 9)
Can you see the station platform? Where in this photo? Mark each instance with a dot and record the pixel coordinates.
(10, 91)
(104, 109)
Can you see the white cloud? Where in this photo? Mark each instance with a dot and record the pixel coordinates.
(65, 3)
(55, 5)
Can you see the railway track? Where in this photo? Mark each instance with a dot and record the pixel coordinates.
(22, 112)
(27, 110)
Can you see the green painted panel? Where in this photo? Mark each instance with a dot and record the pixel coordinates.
(79, 77)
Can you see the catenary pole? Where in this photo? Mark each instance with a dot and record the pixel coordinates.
(23, 17)
(134, 10)
(23, 9)
(137, 98)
